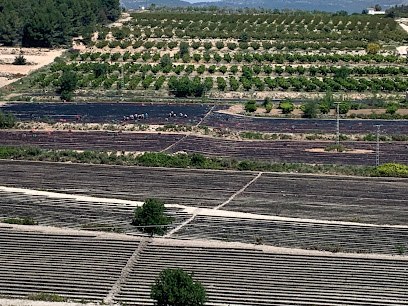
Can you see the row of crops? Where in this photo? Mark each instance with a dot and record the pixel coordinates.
(267, 26)
(246, 70)
(232, 83)
(217, 57)
(164, 44)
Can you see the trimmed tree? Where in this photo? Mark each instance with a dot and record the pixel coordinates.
(175, 287)
(151, 217)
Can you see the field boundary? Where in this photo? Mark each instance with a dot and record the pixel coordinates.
(239, 191)
(127, 269)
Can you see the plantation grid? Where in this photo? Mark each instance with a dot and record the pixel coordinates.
(250, 237)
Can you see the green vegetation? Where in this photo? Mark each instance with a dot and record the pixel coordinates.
(400, 249)
(310, 110)
(391, 169)
(175, 287)
(20, 60)
(150, 218)
(101, 227)
(178, 161)
(67, 85)
(7, 121)
(25, 221)
(250, 106)
(47, 297)
(49, 23)
(286, 106)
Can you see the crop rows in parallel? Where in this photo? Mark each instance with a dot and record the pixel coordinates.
(158, 114)
(273, 125)
(108, 112)
(368, 200)
(158, 74)
(269, 151)
(110, 141)
(72, 213)
(292, 151)
(74, 266)
(379, 201)
(298, 234)
(285, 27)
(82, 266)
(201, 188)
(244, 277)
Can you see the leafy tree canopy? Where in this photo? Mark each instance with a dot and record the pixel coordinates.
(48, 23)
(174, 287)
(151, 217)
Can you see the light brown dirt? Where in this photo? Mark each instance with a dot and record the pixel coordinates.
(321, 150)
(36, 57)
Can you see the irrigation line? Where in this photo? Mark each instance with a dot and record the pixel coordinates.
(174, 230)
(174, 144)
(132, 261)
(239, 191)
(206, 115)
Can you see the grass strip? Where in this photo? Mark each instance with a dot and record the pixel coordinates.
(196, 161)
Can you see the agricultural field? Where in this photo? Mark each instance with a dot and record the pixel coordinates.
(307, 151)
(197, 110)
(161, 54)
(326, 278)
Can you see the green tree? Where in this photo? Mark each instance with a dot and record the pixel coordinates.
(310, 110)
(391, 108)
(151, 218)
(250, 106)
(174, 287)
(286, 106)
(67, 84)
(7, 120)
(373, 48)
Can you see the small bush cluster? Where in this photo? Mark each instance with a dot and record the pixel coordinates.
(392, 169)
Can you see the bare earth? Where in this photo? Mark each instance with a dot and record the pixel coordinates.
(36, 57)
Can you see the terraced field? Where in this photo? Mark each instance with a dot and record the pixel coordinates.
(80, 266)
(298, 233)
(196, 188)
(272, 151)
(368, 200)
(158, 114)
(81, 262)
(74, 213)
(250, 277)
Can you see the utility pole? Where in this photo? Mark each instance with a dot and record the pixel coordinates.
(122, 80)
(337, 123)
(377, 151)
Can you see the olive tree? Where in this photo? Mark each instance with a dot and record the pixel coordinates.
(151, 217)
(175, 287)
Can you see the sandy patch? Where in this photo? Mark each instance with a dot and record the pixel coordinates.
(38, 57)
(320, 150)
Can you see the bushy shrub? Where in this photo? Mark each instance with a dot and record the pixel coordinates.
(250, 106)
(392, 169)
(20, 60)
(7, 121)
(391, 108)
(286, 106)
